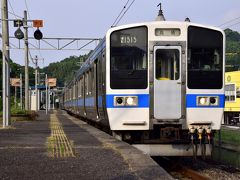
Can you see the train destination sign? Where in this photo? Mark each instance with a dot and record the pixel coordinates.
(128, 39)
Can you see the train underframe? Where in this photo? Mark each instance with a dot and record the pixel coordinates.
(170, 140)
(165, 139)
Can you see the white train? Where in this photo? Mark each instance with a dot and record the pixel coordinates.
(157, 85)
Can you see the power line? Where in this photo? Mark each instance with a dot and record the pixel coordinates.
(13, 13)
(28, 12)
(12, 9)
(27, 9)
(120, 13)
(125, 12)
(233, 24)
(229, 21)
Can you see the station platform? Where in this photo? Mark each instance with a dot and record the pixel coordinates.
(59, 146)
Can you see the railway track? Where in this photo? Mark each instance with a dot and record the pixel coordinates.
(182, 172)
(179, 171)
(187, 168)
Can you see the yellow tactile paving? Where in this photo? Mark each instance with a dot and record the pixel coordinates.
(58, 144)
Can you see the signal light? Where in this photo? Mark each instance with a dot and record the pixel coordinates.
(38, 34)
(19, 34)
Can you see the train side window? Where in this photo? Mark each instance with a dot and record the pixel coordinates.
(79, 88)
(86, 83)
(75, 92)
(82, 86)
(73, 88)
(167, 64)
(90, 82)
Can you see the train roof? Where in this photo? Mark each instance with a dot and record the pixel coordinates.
(173, 23)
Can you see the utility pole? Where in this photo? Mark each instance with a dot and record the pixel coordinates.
(5, 65)
(46, 97)
(35, 61)
(15, 96)
(21, 103)
(26, 61)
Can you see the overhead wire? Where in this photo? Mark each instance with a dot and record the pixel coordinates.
(28, 12)
(233, 24)
(9, 2)
(12, 13)
(124, 12)
(227, 22)
(228, 26)
(120, 13)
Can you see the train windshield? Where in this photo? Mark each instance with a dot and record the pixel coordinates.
(128, 61)
(205, 58)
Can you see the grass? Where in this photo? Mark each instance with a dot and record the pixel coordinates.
(229, 136)
(16, 111)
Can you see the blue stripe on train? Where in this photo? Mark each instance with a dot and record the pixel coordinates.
(191, 100)
(143, 100)
(89, 102)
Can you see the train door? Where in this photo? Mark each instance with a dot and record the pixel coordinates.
(167, 82)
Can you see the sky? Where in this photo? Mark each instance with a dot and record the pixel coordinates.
(92, 19)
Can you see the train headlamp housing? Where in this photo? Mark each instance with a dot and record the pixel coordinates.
(125, 101)
(131, 101)
(214, 101)
(203, 101)
(119, 101)
(207, 100)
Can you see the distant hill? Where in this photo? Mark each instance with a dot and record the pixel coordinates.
(16, 70)
(232, 49)
(65, 69)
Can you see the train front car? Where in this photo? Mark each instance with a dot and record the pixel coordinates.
(164, 86)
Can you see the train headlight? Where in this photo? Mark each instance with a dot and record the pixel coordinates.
(202, 101)
(131, 101)
(125, 100)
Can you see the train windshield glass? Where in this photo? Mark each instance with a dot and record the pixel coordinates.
(128, 61)
(205, 58)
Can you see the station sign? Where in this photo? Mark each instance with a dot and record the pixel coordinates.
(52, 82)
(15, 82)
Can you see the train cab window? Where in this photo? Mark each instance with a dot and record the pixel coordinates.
(128, 63)
(205, 58)
(167, 64)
